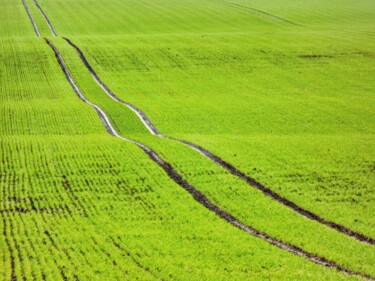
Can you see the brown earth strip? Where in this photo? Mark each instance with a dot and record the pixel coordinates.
(230, 168)
(200, 197)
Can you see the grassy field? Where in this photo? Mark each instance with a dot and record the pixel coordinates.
(283, 91)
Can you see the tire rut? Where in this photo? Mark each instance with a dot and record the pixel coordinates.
(146, 122)
(260, 12)
(35, 27)
(45, 18)
(230, 168)
(196, 194)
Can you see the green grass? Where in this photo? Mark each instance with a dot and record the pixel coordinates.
(283, 91)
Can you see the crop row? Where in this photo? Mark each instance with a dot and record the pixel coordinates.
(120, 221)
(276, 101)
(233, 195)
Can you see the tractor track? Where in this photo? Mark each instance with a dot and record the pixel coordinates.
(35, 27)
(270, 18)
(230, 168)
(197, 195)
(45, 18)
(144, 119)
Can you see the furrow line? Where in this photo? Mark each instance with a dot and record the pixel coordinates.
(35, 27)
(29, 251)
(13, 276)
(14, 230)
(200, 197)
(230, 168)
(45, 18)
(72, 197)
(134, 260)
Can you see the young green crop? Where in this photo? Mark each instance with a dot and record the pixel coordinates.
(233, 195)
(282, 91)
(78, 204)
(223, 86)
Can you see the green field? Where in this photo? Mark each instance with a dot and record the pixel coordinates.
(282, 92)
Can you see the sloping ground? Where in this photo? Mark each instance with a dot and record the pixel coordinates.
(233, 195)
(260, 83)
(250, 96)
(81, 205)
(167, 68)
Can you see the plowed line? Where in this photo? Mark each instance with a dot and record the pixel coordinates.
(135, 261)
(197, 195)
(11, 254)
(230, 168)
(31, 19)
(45, 18)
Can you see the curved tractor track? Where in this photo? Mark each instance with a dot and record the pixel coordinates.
(266, 16)
(230, 168)
(45, 18)
(197, 195)
(35, 27)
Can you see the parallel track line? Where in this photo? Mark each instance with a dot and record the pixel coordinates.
(45, 18)
(196, 194)
(230, 168)
(35, 27)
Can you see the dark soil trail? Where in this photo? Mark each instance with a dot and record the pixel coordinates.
(45, 18)
(31, 19)
(197, 195)
(230, 168)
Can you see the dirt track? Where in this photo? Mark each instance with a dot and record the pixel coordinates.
(197, 195)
